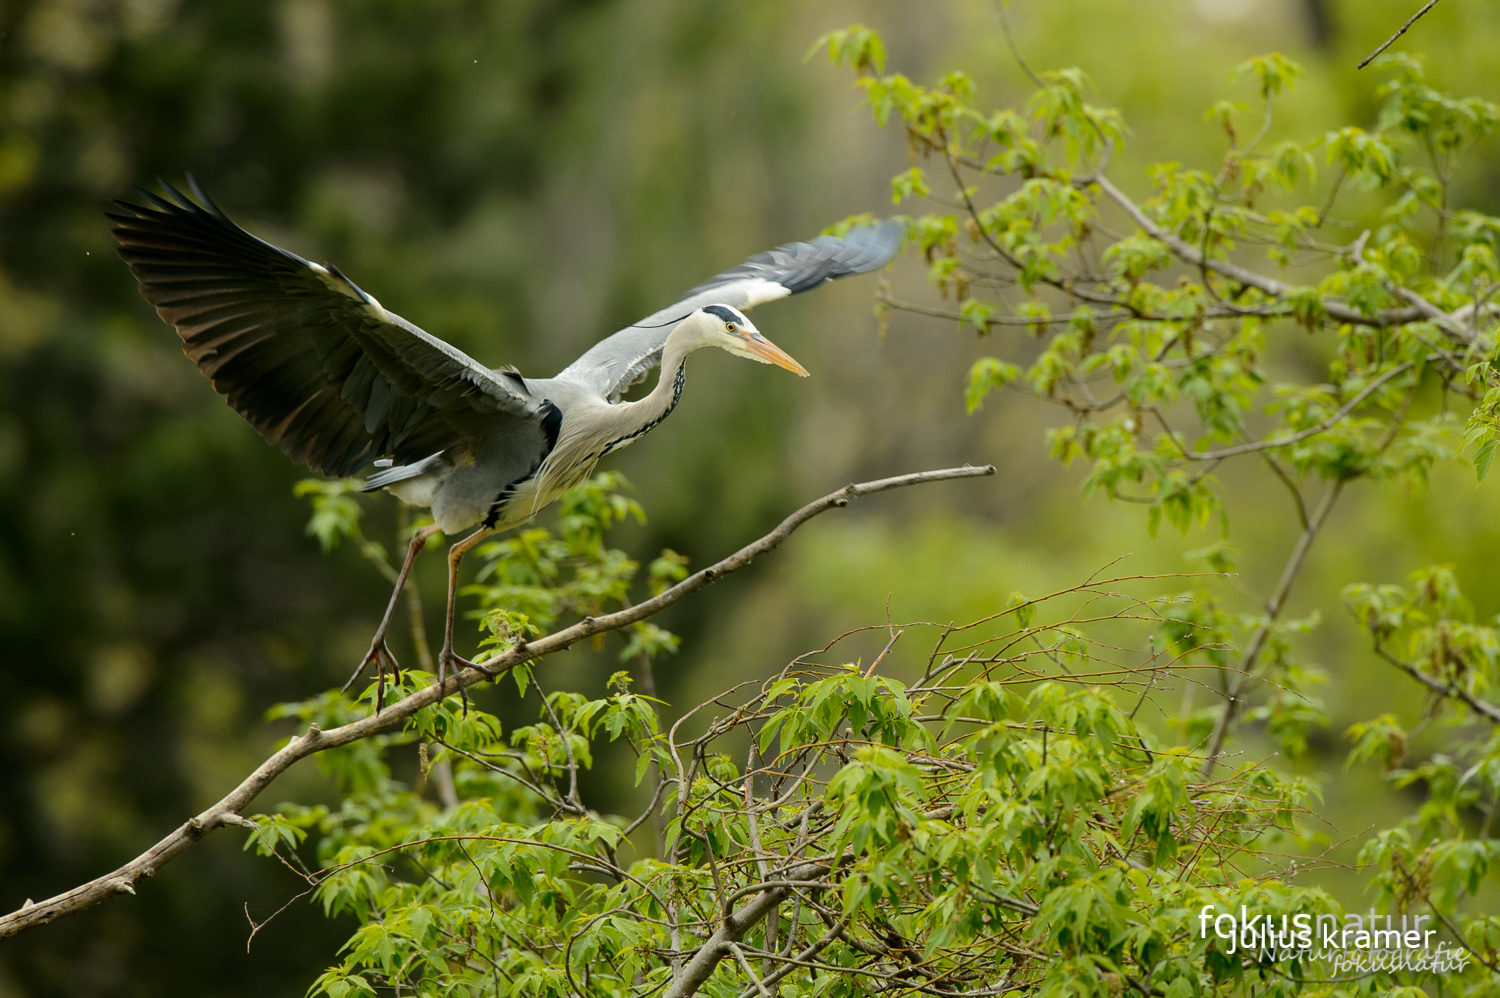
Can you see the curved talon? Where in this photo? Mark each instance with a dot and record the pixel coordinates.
(380, 654)
(448, 661)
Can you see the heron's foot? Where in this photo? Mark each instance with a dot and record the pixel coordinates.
(451, 663)
(380, 655)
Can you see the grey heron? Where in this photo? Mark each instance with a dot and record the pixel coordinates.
(339, 383)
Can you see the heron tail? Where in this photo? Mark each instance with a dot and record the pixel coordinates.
(401, 473)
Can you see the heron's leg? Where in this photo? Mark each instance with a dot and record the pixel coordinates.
(446, 658)
(379, 653)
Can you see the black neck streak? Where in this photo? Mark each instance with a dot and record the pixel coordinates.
(677, 383)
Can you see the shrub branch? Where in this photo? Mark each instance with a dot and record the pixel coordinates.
(314, 740)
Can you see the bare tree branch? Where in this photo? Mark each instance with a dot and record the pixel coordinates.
(1418, 309)
(1311, 431)
(1442, 688)
(792, 962)
(1399, 32)
(226, 811)
(1236, 683)
(701, 967)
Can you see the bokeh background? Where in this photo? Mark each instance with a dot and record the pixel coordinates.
(520, 177)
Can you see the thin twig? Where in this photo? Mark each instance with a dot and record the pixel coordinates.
(731, 930)
(1234, 688)
(791, 963)
(1419, 307)
(1015, 50)
(1327, 424)
(739, 955)
(1449, 689)
(1399, 32)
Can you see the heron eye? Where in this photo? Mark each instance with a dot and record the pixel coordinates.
(729, 327)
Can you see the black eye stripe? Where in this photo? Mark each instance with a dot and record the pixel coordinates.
(726, 313)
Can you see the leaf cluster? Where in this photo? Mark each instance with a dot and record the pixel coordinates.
(1002, 821)
(1156, 330)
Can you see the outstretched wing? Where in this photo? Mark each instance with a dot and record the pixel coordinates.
(614, 364)
(317, 366)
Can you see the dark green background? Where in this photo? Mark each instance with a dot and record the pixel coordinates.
(521, 177)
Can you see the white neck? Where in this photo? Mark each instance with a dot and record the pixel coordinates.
(631, 419)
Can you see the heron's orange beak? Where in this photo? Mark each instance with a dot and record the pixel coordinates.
(769, 352)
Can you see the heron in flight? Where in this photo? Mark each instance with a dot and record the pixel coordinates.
(339, 383)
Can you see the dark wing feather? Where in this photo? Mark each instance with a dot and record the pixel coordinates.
(614, 364)
(317, 366)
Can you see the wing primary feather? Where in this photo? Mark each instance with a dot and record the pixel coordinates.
(309, 358)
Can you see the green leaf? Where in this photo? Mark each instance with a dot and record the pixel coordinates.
(335, 514)
(1483, 458)
(986, 374)
(856, 46)
(909, 184)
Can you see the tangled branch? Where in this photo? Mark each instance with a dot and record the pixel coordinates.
(904, 835)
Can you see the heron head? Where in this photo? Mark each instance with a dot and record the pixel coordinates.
(727, 328)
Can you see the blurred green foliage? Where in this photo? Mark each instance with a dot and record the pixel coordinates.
(156, 590)
(1096, 839)
(518, 177)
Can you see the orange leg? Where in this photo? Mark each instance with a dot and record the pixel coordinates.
(446, 658)
(379, 653)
